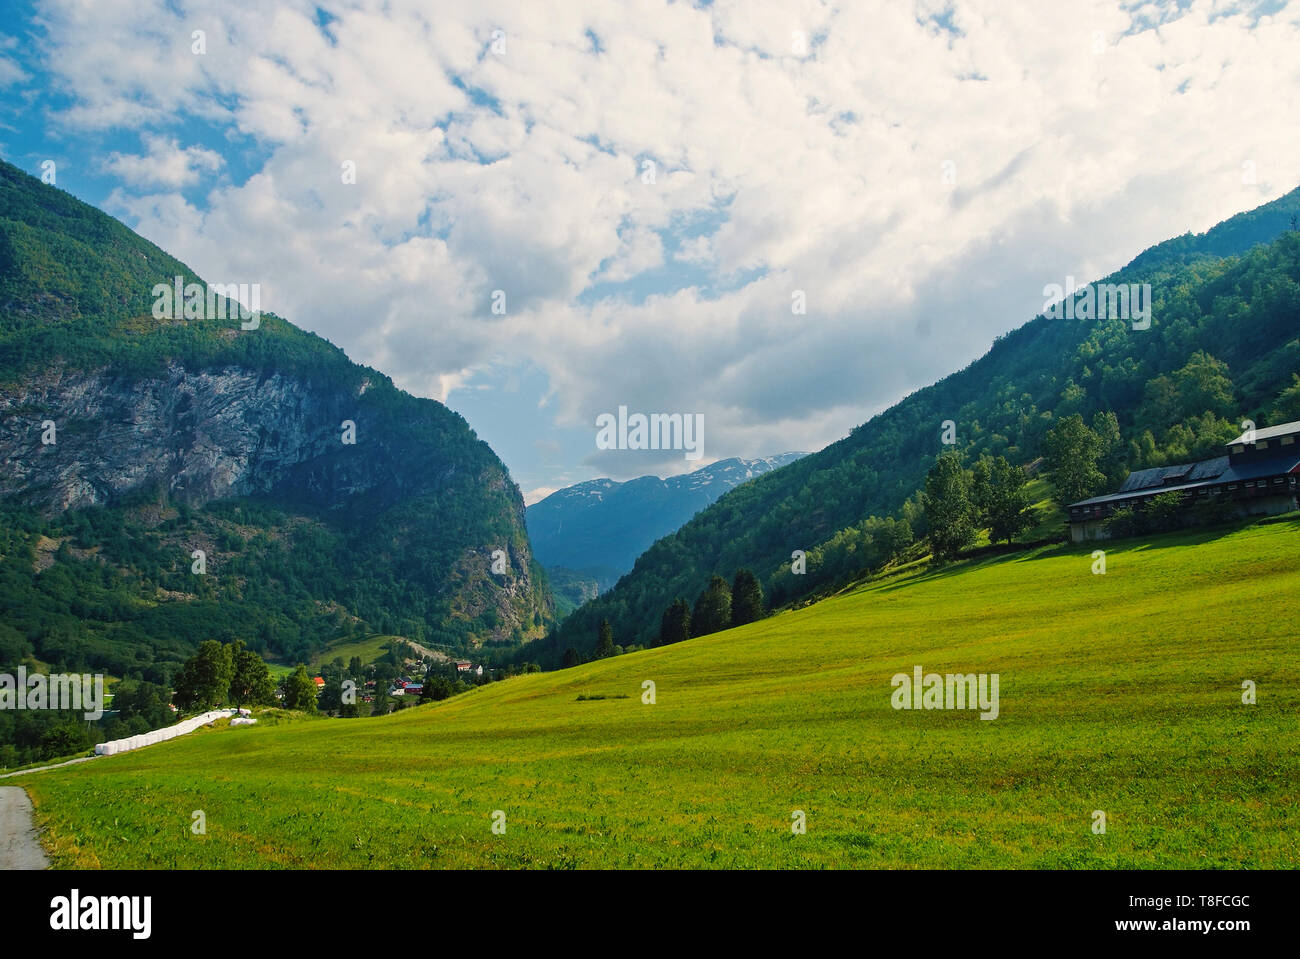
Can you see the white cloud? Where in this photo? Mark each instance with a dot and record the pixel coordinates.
(822, 172)
(10, 72)
(163, 164)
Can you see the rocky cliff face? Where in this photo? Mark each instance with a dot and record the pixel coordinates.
(197, 437)
(200, 436)
(362, 507)
(75, 439)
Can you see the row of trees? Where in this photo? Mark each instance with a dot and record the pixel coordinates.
(221, 673)
(960, 502)
(1083, 460)
(720, 606)
(217, 674)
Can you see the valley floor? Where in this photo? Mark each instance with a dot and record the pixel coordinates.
(1120, 694)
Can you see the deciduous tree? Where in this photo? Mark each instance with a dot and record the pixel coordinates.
(1071, 451)
(949, 509)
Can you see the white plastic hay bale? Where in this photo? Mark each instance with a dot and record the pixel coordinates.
(242, 721)
(163, 735)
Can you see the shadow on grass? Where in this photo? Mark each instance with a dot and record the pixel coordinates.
(1195, 536)
(1032, 552)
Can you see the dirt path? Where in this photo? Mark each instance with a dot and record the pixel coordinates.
(41, 769)
(18, 846)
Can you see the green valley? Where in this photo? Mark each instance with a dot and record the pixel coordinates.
(1121, 693)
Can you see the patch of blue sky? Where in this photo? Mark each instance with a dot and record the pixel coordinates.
(323, 20)
(503, 406)
(30, 134)
(477, 95)
(673, 276)
(1150, 16)
(942, 21)
(676, 273)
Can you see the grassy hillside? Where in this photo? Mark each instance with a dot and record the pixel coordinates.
(369, 648)
(1222, 347)
(1119, 692)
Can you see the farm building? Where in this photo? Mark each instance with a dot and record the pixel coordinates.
(1257, 475)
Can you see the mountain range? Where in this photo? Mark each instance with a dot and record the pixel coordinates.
(590, 534)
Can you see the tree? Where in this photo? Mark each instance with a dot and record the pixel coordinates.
(436, 688)
(570, 658)
(250, 681)
(999, 492)
(1110, 462)
(713, 608)
(746, 599)
(605, 640)
(949, 510)
(675, 625)
(145, 700)
(300, 690)
(1165, 512)
(1204, 384)
(204, 679)
(1071, 451)
(65, 738)
(354, 667)
(330, 699)
(1286, 408)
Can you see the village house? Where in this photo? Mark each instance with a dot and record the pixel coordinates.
(1257, 476)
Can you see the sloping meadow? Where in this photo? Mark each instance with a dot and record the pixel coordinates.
(1124, 737)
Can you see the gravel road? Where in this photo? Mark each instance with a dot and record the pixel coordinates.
(18, 846)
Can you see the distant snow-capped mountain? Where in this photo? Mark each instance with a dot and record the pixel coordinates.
(590, 534)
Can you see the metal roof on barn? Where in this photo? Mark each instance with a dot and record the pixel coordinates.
(1267, 433)
(1216, 471)
(1182, 473)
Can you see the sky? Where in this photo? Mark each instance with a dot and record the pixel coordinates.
(540, 213)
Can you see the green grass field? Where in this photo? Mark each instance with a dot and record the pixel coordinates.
(370, 649)
(1119, 692)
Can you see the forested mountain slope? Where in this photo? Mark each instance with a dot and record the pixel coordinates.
(1223, 345)
(323, 499)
